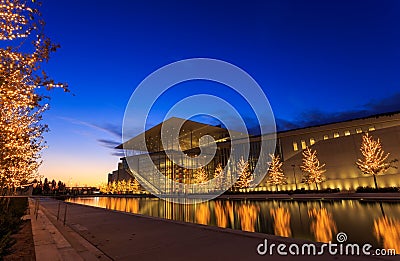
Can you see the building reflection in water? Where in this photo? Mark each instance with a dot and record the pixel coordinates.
(248, 214)
(362, 221)
(387, 231)
(220, 215)
(281, 218)
(203, 214)
(120, 204)
(322, 225)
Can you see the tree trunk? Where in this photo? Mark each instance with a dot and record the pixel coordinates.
(376, 184)
(276, 187)
(316, 185)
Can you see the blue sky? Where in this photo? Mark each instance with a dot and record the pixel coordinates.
(317, 61)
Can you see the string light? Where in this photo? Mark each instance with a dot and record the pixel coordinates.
(21, 130)
(374, 161)
(121, 186)
(313, 169)
(200, 176)
(219, 176)
(275, 172)
(245, 177)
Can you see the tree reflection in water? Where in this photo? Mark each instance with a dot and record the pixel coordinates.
(281, 218)
(220, 215)
(203, 214)
(229, 209)
(387, 231)
(248, 216)
(311, 221)
(322, 225)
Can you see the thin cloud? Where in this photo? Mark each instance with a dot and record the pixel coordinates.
(109, 128)
(282, 124)
(113, 129)
(108, 143)
(317, 117)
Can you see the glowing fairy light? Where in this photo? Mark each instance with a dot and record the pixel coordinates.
(245, 177)
(275, 172)
(21, 139)
(374, 160)
(313, 169)
(200, 176)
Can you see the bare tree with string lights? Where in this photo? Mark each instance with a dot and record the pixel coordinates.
(275, 172)
(375, 160)
(314, 170)
(21, 106)
(200, 175)
(245, 177)
(219, 176)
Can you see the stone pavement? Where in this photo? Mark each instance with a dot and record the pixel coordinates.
(94, 233)
(53, 242)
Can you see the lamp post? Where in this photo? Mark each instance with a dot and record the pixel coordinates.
(294, 175)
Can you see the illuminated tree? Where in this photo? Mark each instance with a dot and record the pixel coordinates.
(105, 188)
(275, 172)
(113, 187)
(219, 176)
(123, 186)
(245, 177)
(313, 169)
(134, 185)
(21, 106)
(200, 175)
(374, 160)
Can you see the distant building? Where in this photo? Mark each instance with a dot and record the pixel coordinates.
(337, 144)
(122, 173)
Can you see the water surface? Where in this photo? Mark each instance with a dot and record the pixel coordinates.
(376, 223)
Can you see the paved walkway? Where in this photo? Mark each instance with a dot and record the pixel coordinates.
(54, 242)
(100, 234)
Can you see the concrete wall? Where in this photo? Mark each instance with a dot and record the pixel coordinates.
(340, 155)
(317, 133)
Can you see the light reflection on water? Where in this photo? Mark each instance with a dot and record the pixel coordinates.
(322, 225)
(387, 231)
(281, 218)
(363, 222)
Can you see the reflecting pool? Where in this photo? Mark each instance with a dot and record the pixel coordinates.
(376, 223)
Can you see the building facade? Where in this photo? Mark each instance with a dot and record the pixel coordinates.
(337, 145)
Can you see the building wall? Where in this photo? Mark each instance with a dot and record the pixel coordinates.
(317, 133)
(340, 156)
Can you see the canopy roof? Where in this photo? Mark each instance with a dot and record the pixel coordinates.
(189, 135)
